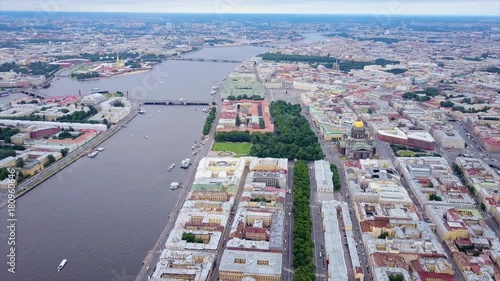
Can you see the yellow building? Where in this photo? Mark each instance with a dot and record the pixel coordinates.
(261, 266)
(455, 231)
(210, 196)
(332, 133)
(32, 167)
(265, 217)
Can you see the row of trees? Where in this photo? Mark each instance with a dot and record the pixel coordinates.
(133, 64)
(245, 97)
(423, 95)
(346, 66)
(67, 135)
(31, 117)
(234, 136)
(4, 173)
(34, 68)
(296, 58)
(460, 174)
(78, 116)
(8, 150)
(302, 240)
(415, 97)
(262, 124)
(435, 197)
(88, 75)
(375, 39)
(327, 61)
(396, 147)
(470, 101)
(335, 177)
(191, 238)
(6, 133)
(470, 110)
(292, 137)
(449, 103)
(208, 122)
(396, 70)
(12, 146)
(493, 69)
(4, 153)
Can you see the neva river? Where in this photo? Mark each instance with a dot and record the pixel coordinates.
(103, 214)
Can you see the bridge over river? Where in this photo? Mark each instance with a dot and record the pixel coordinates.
(34, 94)
(204, 60)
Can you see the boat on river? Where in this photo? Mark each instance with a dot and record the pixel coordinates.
(61, 265)
(175, 185)
(185, 163)
(93, 154)
(171, 167)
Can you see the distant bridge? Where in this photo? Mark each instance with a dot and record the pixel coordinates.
(34, 94)
(175, 102)
(205, 60)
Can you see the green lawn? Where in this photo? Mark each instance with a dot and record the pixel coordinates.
(239, 148)
(406, 153)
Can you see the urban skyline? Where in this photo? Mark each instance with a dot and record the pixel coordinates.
(414, 7)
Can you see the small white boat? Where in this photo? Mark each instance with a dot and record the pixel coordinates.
(180, 99)
(174, 185)
(171, 167)
(61, 265)
(93, 154)
(192, 147)
(146, 137)
(159, 111)
(100, 149)
(185, 163)
(149, 115)
(142, 111)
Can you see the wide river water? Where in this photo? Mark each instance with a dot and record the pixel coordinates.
(103, 214)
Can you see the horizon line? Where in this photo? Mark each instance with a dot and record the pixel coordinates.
(247, 13)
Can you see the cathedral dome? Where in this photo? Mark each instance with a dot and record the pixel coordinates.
(358, 124)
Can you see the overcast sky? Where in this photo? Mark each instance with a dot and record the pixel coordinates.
(430, 7)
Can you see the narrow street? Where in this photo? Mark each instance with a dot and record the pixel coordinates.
(317, 229)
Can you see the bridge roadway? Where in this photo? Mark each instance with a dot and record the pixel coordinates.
(204, 59)
(174, 102)
(33, 94)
